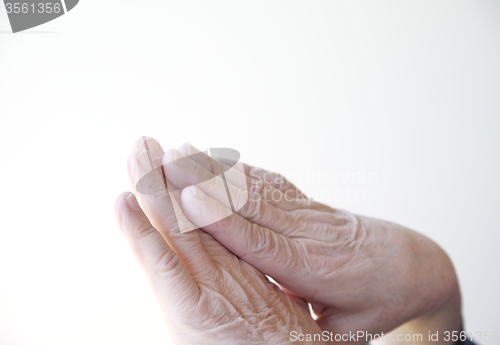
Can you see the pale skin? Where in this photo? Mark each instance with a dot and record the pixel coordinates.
(358, 273)
(208, 296)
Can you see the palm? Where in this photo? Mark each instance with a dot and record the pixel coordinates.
(234, 304)
(350, 262)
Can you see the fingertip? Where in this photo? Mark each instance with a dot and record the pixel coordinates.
(168, 156)
(194, 154)
(120, 200)
(185, 148)
(143, 141)
(137, 142)
(132, 156)
(121, 207)
(132, 202)
(192, 196)
(133, 167)
(131, 219)
(198, 193)
(200, 208)
(126, 203)
(187, 197)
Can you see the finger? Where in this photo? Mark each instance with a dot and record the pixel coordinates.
(272, 179)
(155, 157)
(152, 145)
(285, 199)
(269, 252)
(165, 214)
(303, 304)
(185, 172)
(156, 153)
(233, 173)
(168, 277)
(274, 187)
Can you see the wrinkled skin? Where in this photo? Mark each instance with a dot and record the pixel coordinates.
(359, 273)
(207, 294)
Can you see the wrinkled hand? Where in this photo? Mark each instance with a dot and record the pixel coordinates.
(359, 274)
(207, 294)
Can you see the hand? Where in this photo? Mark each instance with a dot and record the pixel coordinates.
(208, 295)
(359, 273)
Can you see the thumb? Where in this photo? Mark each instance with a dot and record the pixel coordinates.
(169, 279)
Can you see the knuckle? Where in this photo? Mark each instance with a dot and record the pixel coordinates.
(222, 225)
(255, 186)
(151, 183)
(253, 172)
(273, 178)
(280, 181)
(240, 198)
(172, 221)
(252, 209)
(167, 262)
(142, 229)
(263, 242)
(214, 184)
(185, 147)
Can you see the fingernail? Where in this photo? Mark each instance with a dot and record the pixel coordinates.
(152, 146)
(181, 160)
(145, 159)
(131, 201)
(198, 157)
(199, 193)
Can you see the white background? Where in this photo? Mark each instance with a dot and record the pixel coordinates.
(408, 90)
